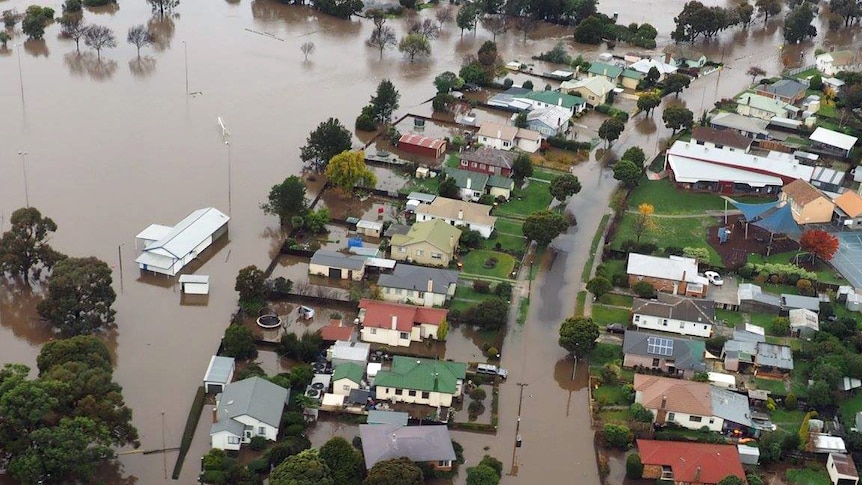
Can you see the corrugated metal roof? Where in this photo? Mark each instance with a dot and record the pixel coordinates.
(188, 233)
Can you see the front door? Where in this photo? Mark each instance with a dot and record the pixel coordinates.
(335, 273)
(725, 187)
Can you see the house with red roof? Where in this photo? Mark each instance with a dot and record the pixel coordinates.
(684, 463)
(336, 330)
(397, 324)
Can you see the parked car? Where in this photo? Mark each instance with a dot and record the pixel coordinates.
(492, 370)
(615, 328)
(714, 278)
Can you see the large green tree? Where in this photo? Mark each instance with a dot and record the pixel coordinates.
(345, 463)
(767, 8)
(415, 44)
(467, 17)
(287, 200)
(611, 129)
(347, 170)
(677, 118)
(564, 186)
(648, 102)
(849, 10)
(79, 296)
(522, 167)
(251, 286)
(482, 475)
(86, 349)
(797, 24)
(35, 20)
(239, 342)
(326, 141)
(628, 173)
(385, 101)
(24, 249)
(675, 83)
(305, 468)
(398, 471)
(578, 335)
(447, 81)
(543, 226)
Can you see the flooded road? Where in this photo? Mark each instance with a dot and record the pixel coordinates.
(116, 145)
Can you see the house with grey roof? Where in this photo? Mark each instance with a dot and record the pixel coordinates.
(789, 91)
(752, 299)
(757, 106)
(790, 302)
(245, 409)
(749, 348)
(219, 373)
(676, 356)
(418, 285)
(420, 444)
(674, 314)
(337, 265)
(744, 125)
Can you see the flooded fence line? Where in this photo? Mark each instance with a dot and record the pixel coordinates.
(191, 424)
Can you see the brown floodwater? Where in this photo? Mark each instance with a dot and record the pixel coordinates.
(115, 145)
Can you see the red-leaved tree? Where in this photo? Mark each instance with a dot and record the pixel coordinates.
(819, 243)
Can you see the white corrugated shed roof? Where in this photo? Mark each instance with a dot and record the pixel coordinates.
(775, 163)
(689, 171)
(194, 278)
(673, 268)
(380, 263)
(154, 232)
(833, 138)
(723, 378)
(373, 225)
(188, 233)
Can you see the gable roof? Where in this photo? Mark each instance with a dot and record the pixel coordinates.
(727, 138)
(254, 397)
(552, 116)
(181, 239)
(334, 259)
(418, 443)
(736, 121)
(676, 308)
(434, 232)
(644, 66)
(452, 209)
(410, 277)
(730, 406)
(674, 268)
(802, 192)
(477, 180)
(775, 106)
(798, 301)
(788, 88)
(336, 331)
(422, 375)
(693, 462)
(850, 202)
(348, 370)
(496, 130)
(803, 318)
(602, 69)
(220, 369)
(597, 85)
(528, 134)
(490, 156)
(555, 98)
(501, 182)
(679, 396)
(833, 138)
(686, 354)
(632, 74)
(422, 141)
(775, 163)
(379, 314)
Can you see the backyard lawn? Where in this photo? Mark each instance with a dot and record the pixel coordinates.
(604, 354)
(427, 185)
(508, 234)
(475, 263)
(730, 318)
(773, 386)
(807, 476)
(787, 421)
(667, 199)
(545, 175)
(509, 226)
(849, 408)
(616, 300)
(612, 396)
(684, 232)
(532, 198)
(603, 315)
(825, 273)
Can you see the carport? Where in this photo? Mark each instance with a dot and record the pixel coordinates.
(848, 259)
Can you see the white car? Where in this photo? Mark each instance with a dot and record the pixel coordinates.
(714, 278)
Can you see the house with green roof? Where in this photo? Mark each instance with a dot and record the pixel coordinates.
(757, 106)
(421, 381)
(474, 185)
(630, 78)
(608, 71)
(430, 243)
(347, 377)
(547, 99)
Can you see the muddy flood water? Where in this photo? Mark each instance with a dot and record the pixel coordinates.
(115, 145)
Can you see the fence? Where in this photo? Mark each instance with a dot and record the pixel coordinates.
(797, 70)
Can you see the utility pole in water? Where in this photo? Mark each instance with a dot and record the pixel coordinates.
(517, 444)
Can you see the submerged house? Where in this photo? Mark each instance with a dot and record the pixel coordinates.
(397, 324)
(420, 444)
(245, 409)
(166, 250)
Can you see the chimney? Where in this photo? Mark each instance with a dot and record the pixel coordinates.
(215, 414)
(661, 414)
(500, 134)
(460, 214)
(469, 183)
(394, 322)
(697, 474)
(606, 72)
(430, 288)
(683, 275)
(667, 57)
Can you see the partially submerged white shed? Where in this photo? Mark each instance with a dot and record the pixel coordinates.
(725, 381)
(191, 284)
(166, 250)
(219, 374)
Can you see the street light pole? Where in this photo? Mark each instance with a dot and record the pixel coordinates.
(20, 72)
(186, 58)
(227, 144)
(514, 470)
(24, 169)
(120, 257)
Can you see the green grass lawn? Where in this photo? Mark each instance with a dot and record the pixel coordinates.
(773, 386)
(427, 185)
(787, 421)
(452, 161)
(667, 199)
(579, 303)
(468, 293)
(686, 232)
(509, 226)
(525, 201)
(849, 408)
(603, 315)
(610, 267)
(588, 267)
(798, 379)
(605, 353)
(731, 318)
(825, 273)
(616, 300)
(611, 396)
(543, 174)
(506, 242)
(474, 263)
(618, 416)
(808, 477)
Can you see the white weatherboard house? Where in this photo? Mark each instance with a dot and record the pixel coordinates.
(219, 373)
(247, 408)
(674, 314)
(421, 381)
(166, 249)
(476, 217)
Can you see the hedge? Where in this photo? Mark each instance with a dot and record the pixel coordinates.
(571, 145)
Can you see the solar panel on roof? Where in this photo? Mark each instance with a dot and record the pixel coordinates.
(660, 346)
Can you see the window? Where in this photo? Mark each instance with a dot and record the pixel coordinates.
(444, 464)
(695, 419)
(436, 256)
(704, 327)
(482, 166)
(398, 392)
(664, 322)
(418, 252)
(681, 324)
(412, 393)
(505, 144)
(373, 331)
(700, 142)
(402, 249)
(345, 387)
(233, 440)
(655, 362)
(719, 146)
(711, 420)
(637, 318)
(473, 164)
(426, 395)
(670, 416)
(403, 292)
(261, 431)
(405, 335)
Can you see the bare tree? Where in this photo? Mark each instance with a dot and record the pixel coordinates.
(383, 36)
(139, 36)
(426, 28)
(73, 28)
(525, 24)
(163, 7)
(755, 71)
(307, 48)
(444, 15)
(495, 24)
(99, 37)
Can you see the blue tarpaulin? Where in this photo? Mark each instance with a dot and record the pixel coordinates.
(779, 221)
(752, 211)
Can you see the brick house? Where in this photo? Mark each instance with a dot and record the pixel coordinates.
(681, 462)
(675, 274)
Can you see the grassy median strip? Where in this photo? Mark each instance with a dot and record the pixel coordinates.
(588, 268)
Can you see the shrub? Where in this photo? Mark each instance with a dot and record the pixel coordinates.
(640, 413)
(482, 287)
(644, 289)
(566, 144)
(503, 290)
(618, 436)
(804, 286)
(780, 326)
(610, 374)
(294, 430)
(257, 443)
(357, 442)
(620, 280)
(634, 467)
(474, 407)
(478, 394)
(492, 352)
(672, 251)
(527, 84)
(790, 402)
(259, 466)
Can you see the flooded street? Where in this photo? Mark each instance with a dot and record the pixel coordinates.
(116, 145)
